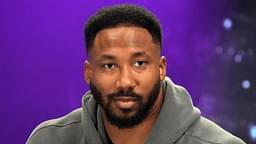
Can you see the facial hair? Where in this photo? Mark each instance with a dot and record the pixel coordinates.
(127, 121)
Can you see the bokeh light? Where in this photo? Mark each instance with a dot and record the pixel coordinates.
(253, 132)
(246, 84)
(227, 23)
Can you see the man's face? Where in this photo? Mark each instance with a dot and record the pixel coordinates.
(125, 71)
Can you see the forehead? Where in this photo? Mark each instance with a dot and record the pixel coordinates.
(124, 38)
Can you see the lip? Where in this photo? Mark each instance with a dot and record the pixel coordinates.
(125, 102)
(124, 98)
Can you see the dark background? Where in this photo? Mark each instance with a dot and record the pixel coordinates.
(210, 48)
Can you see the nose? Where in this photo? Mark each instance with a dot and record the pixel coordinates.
(126, 79)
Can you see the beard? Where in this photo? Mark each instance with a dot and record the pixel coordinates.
(125, 121)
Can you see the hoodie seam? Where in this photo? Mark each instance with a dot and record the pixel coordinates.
(199, 138)
(55, 125)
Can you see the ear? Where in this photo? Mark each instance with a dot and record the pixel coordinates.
(162, 68)
(87, 71)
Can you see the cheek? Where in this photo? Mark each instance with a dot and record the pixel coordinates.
(103, 82)
(147, 81)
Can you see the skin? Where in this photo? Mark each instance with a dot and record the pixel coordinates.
(122, 58)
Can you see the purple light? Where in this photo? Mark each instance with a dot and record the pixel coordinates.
(238, 58)
(231, 51)
(219, 49)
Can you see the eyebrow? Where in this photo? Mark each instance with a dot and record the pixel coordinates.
(106, 57)
(139, 54)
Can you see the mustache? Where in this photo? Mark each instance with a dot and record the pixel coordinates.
(123, 93)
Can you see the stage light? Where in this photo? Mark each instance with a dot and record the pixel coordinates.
(253, 132)
(238, 58)
(246, 84)
(227, 23)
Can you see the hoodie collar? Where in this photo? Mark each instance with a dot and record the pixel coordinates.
(176, 116)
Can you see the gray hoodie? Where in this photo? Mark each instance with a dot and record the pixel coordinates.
(179, 122)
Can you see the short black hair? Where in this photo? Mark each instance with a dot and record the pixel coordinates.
(128, 15)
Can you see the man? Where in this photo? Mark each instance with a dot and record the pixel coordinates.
(131, 100)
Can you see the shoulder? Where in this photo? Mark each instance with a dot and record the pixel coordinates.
(206, 131)
(57, 130)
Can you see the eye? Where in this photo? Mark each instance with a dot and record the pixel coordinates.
(109, 66)
(140, 63)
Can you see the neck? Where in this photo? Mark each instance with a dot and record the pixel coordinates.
(138, 133)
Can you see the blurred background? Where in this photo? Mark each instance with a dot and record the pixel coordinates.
(210, 48)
